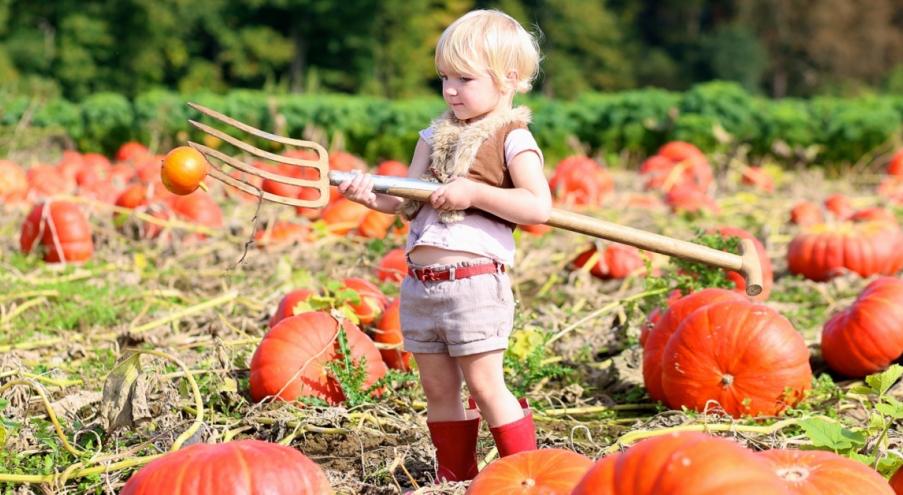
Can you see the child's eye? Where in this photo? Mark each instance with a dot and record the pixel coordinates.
(467, 79)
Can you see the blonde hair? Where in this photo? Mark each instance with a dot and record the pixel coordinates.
(490, 40)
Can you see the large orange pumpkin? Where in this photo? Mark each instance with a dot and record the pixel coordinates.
(532, 472)
(232, 468)
(388, 331)
(62, 231)
(742, 355)
(816, 472)
(867, 336)
(686, 463)
(292, 359)
(824, 251)
(658, 336)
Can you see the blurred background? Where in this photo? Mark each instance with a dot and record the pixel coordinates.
(384, 47)
(79, 64)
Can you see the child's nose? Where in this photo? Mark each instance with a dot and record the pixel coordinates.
(451, 91)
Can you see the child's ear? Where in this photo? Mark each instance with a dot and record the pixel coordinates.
(511, 76)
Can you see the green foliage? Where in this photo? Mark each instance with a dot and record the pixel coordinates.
(712, 116)
(885, 412)
(687, 276)
(525, 361)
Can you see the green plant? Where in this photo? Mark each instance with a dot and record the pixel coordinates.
(884, 412)
(526, 361)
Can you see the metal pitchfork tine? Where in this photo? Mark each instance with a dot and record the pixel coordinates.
(747, 262)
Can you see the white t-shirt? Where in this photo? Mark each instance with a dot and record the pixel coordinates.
(476, 233)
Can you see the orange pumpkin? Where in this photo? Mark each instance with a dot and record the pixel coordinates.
(823, 251)
(130, 151)
(679, 308)
(292, 359)
(806, 213)
(61, 230)
(393, 168)
(756, 177)
(375, 224)
(895, 165)
(344, 215)
(896, 481)
(532, 472)
(393, 266)
(13, 182)
(372, 300)
(580, 181)
(388, 331)
(200, 208)
(816, 472)
(867, 336)
(231, 468)
(689, 199)
(839, 205)
(281, 234)
(183, 170)
(344, 161)
(744, 356)
(616, 261)
(677, 164)
(45, 180)
(537, 229)
(287, 304)
(686, 463)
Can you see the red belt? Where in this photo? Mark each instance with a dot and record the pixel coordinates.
(454, 273)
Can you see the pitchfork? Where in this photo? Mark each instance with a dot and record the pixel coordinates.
(747, 262)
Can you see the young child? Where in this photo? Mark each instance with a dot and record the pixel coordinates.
(457, 307)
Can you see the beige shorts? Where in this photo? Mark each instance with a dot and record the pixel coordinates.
(457, 317)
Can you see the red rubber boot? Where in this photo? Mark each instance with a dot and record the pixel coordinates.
(516, 436)
(456, 446)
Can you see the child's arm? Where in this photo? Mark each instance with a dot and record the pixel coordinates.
(529, 202)
(360, 189)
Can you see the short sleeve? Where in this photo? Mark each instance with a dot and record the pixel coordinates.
(427, 135)
(519, 141)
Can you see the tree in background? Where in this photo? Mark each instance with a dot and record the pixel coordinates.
(385, 47)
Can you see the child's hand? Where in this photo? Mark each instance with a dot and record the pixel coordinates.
(455, 195)
(359, 189)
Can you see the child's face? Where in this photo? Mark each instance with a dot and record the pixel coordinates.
(470, 96)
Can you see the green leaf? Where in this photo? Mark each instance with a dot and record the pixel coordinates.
(831, 435)
(890, 407)
(882, 382)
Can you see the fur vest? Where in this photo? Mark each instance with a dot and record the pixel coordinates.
(475, 151)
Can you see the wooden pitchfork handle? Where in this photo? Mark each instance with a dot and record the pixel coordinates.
(747, 262)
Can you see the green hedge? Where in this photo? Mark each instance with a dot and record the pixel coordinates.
(713, 116)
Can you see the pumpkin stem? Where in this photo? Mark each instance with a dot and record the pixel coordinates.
(727, 379)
